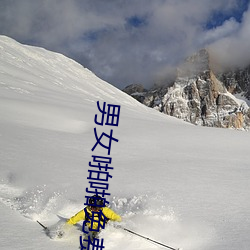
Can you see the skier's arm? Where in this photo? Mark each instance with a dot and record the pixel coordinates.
(77, 217)
(111, 214)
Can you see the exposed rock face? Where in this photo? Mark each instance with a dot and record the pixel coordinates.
(199, 97)
(137, 91)
(134, 88)
(237, 81)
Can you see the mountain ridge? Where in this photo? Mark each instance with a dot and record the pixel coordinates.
(200, 95)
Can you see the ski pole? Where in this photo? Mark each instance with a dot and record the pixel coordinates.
(45, 228)
(149, 239)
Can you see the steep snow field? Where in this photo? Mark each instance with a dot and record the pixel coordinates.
(179, 184)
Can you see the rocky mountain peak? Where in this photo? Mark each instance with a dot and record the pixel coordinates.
(200, 96)
(197, 64)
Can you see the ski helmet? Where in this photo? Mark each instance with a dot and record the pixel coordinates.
(96, 201)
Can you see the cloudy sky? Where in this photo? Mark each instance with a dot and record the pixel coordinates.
(131, 41)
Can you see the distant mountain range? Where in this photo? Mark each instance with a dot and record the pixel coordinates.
(201, 94)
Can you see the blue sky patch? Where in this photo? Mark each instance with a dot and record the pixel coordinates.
(136, 21)
(219, 17)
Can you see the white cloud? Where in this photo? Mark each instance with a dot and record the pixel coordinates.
(233, 50)
(97, 32)
(228, 28)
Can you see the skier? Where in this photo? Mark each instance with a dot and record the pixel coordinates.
(101, 215)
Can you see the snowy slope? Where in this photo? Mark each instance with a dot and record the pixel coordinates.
(182, 185)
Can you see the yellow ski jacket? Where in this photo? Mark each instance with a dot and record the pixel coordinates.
(81, 215)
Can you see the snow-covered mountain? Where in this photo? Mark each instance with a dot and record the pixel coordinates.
(182, 185)
(201, 96)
